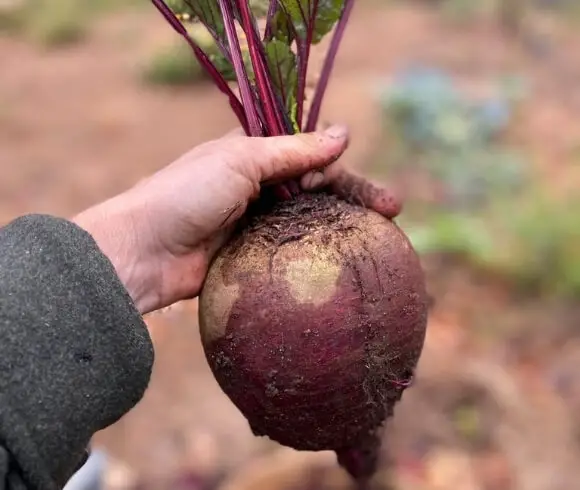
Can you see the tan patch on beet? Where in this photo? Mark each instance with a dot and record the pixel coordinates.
(218, 306)
(313, 280)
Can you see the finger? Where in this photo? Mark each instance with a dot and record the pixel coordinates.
(208, 248)
(280, 158)
(356, 189)
(312, 180)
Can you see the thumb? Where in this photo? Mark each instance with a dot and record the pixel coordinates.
(280, 158)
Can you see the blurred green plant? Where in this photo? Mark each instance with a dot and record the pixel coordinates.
(568, 9)
(458, 10)
(486, 209)
(541, 240)
(461, 10)
(11, 15)
(53, 22)
(175, 65)
(59, 23)
(535, 241)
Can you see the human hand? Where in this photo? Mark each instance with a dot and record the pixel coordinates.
(162, 234)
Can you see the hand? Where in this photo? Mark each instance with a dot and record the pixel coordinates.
(162, 234)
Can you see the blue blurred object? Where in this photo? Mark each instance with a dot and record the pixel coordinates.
(90, 476)
(493, 116)
(431, 110)
(454, 137)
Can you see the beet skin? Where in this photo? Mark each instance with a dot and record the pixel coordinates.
(313, 319)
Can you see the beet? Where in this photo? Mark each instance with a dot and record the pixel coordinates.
(313, 319)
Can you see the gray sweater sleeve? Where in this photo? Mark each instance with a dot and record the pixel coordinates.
(75, 354)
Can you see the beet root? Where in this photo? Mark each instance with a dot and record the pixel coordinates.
(313, 319)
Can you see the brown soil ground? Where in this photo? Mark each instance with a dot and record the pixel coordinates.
(489, 410)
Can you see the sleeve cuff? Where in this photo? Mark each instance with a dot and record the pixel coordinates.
(75, 355)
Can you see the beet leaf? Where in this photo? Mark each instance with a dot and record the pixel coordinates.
(312, 20)
(208, 13)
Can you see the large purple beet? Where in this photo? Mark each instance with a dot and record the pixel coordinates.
(313, 319)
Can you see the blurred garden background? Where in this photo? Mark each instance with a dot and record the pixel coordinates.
(471, 107)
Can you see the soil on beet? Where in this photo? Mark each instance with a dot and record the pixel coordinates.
(496, 403)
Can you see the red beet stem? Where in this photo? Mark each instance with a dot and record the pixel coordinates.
(303, 46)
(327, 67)
(254, 122)
(263, 86)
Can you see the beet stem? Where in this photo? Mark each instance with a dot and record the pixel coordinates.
(328, 66)
(264, 88)
(248, 102)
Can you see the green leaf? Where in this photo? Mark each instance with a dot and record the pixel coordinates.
(226, 69)
(180, 8)
(327, 16)
(209, 13)
(293, 113)
(281, 26)
(301, 14)
(283, 72)
(205, 11)
(223, 66)
(298, 13)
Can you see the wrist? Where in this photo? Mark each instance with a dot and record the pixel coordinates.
(119, 229)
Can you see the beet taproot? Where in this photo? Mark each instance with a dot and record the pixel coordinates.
(312, 319)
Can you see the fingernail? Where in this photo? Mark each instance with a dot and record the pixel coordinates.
(336, 132)
(312, 180)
